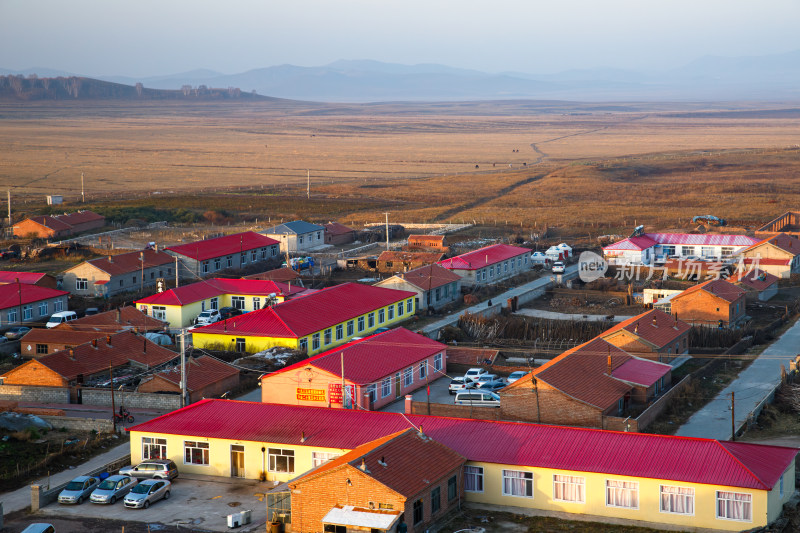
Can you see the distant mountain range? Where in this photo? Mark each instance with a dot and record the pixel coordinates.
(769, 77)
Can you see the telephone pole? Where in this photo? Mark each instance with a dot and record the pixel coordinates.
(387, 231)
(308, 184)
(83, 196)
(9, 207)
(733, 417)
(183, 368)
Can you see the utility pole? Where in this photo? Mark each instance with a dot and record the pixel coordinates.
(733, 417)
(9, 207)
(177, 277)
(113, 407)
(536, 392)
(141, 258)
(341, 358)
(183, 368)
(83, 196)
(308, 185)
(387, 231)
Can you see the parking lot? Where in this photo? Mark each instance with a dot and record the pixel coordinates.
(197, 502)
(439, 394)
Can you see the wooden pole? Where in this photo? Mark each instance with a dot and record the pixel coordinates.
(113, 407)
(733, 417)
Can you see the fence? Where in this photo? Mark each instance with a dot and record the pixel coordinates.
(139, 400)
(101, 425)
(651, 413)
(92, 237)
(454, 411)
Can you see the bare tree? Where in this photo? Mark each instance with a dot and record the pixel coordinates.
(186, 89)
(139, 88)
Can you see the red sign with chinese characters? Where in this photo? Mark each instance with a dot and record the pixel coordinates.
(335, 392)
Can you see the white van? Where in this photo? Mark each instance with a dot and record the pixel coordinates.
(478, 398)
(60, 318)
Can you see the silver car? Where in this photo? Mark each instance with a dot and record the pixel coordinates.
(147, 492)
(112, 489)
(78, 489)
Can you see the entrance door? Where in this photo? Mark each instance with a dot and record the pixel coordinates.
(237, 460)
(397, 385)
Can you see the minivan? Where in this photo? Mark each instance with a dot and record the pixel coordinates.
(153, 468)
(478, 398)
(61, 317)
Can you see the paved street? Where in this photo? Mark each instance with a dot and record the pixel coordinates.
(751, 387)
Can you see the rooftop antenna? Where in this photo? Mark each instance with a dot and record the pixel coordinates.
(308, 184)
(83, 196)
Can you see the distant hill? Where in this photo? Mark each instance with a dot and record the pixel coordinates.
(31, 88)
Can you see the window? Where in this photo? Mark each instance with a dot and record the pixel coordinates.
(350, 326)
(133, 280)
(256, 303)
(303, 345)
(408, 376)
(229, 261)
(195, 453)
(419, 512)
(214, 304)
(473, 478)
(253, 256)
(622, 494)
(438, 294)
(42, 308)
(318, 458)
(390, 311)
(668, 250)
(687, 250)
(516, 483)
(41, 349)
(205, 267)
(159, 312)
(734, 506)
(243, 258)
(409, 306)
(339, 332)
(319, 235)
(241, 344)
(203, 306)
(437, 362)
(27, 312)
(12, 316)
(328, 336)
(238, 302)
(447, 290)
(153, 448)
(121, 282)
(505, 266)
(58, 306)
(300, 239)
(491, 271)
(263, 254)
(436, 500)
(677, 500)
(360, 324)
(274, 251)
(386, 387)
(621, 405)
(400, 309)
(569, 488)
(452, 488)
(217, 263)
(381, 316)
(281, 460)
(315, 341)
(81, 284)
(423, 370)
(371, 320)
(707, 251)
(372, 392)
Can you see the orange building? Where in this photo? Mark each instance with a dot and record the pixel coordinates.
(712, 303)
(48, 227)
(652, 335)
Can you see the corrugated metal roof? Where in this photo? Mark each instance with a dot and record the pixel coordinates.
(16, 294)
(641, 371)
(296, 227)
(663, 332)
(488, 255)
(704, 239)
(50, 222)
(716, 287)
(79, 217)
(225, 245)
(126, 263)
(205, 289)
(306, 315)
(664, 457)
(30, 278)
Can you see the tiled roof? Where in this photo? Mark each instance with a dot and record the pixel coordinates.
(87, 359)
(126, 263)
(488, 255)
(691, 460)
(406, 462)
(421, 257)
(121, 319)
(716, 287)
(283, 275)
(664, 332)
(429, 277)
(470, 356)
(370, 359)
(51, 222)
(306, 315)
(200, 372)
(641, 371)
(67, 337)
(30, 278)
(225, 245)
(295, 227)
(756, 279)
(632, 243)
(785, 242)
(79, 217)
(334, 228)
(16, 294)
(202, 290)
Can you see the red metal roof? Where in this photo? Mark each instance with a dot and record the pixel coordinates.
(664, 457)
(204, 289)
(429, 277)
(648, 240)
(373, 358)
(632, 243)
(716, 287)
(51, 222)
(200, 372)
(488, 255)
(663, 332)
(30, 278)
(306, 315)
(334, 228)
(16, 294)
(126, 263)
(641, 371)
(226, 245)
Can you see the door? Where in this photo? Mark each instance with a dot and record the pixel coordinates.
(397, 385)
(237, 460)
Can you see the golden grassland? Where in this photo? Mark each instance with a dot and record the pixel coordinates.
(507, 163)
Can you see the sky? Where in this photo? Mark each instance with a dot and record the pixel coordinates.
(150, 38)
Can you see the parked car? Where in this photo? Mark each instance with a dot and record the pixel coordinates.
(17, 332)
(91, 311)
(488, 378)
(492, 386)
(61, 317)
(112, 489)
(477, 399)
(8, 254)
(78, 489)
(147, 492)
(473, 373)
(40, 527)
(207, 317)
(516, 375)
(460, 383)
(558, 267)
(152, 468)
(229, 312)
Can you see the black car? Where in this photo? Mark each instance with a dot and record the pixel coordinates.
(229, 312)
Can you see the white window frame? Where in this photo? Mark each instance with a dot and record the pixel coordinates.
(238, 302)
(372, 392)
(567, 482)
(339, 332)
(399, 309)
(410, 305)
(609, 488)
(303, 345)
(423, 370)
(42, 308)
(58, 306)
(386, 387)
(381, 316)
(360, 324)
(475, 472)
(674, 495)
(437, 362)
(204, 267)
(196, 445)
(12, 315)
(320, 458)
(408, 376)
(371, 320)
(150, 443)
(27, 312)
(81, 284)
(315, 341)
(717, 502)
(328, 336)
(256, 303)
(512, 475)
(159, 312)
(390, 313)
(274, 454)
(351, 327)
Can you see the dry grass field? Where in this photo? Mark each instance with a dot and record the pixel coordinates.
(578, 168)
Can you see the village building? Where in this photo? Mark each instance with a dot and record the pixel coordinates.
(585, 385)
(126, 318)
(435, 286)
(86, 361)
(280, 275)
(788, 223)
(665, 480)
(206, 377)
(375, 371)
(297, 236)
(715, 303)
(778, 255)
(338, 234)
(30, 278)
(58, 226)
(181, 305)
(653, 335)
(43, 341)
(403, 478)
(759, 286)
(21, 303)
(200, 258)
(490, 264)
(320, 321)
(657, 248)
(114, 274)
(427, 243)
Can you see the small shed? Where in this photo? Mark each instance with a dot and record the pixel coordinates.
(55, 199)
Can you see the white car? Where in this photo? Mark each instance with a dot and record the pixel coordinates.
(474, 373)
(558, 267)
(459, 383)
(516, 375)
(207, 317)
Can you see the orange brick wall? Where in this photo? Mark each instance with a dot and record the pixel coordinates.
(34, 373)
(634, 346)
(555, 407)
(701, 307)
(29, 227)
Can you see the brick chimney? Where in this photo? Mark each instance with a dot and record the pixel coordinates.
(108, 340)
(72, 354)
(655, 321)
(636, 328)
(94, 343)
(408, 401)
(110, 258)
(610, 366)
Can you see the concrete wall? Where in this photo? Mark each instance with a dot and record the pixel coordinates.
(101, 425)
(27, 393)
(42, 495)
(454, 411)
(140, 400)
